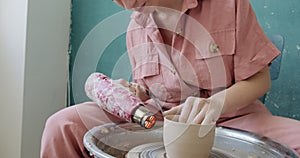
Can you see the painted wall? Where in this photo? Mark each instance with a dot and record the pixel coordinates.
(282, 17)
(96, 33)
(34, 38)
(88, 18)
(12, 59)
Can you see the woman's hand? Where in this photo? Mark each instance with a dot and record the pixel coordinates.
(191, 111)
(136, 89)
(198, 110)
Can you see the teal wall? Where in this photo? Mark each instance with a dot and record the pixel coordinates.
(98, 40)
(283, 17)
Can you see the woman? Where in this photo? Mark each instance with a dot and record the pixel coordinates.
(206, 60)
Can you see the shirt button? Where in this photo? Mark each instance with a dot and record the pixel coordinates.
(173, 70)
(195, 94)
(214, 48)
(179, 31)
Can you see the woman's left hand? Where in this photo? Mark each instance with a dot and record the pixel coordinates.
(197, 110)
(191, 111)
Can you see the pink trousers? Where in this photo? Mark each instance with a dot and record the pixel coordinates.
(64, 131)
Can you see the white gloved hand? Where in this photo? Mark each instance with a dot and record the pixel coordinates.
(214, 109)
(199, 111)
(191, 111)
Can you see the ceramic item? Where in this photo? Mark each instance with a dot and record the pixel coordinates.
(183, 140)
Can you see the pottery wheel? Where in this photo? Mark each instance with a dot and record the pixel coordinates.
(132, 141)
(157, 150)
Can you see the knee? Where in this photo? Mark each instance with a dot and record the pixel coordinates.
(56, 122)
(62, 134)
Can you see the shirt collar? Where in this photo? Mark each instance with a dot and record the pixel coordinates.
(143, 19)
(147, 20)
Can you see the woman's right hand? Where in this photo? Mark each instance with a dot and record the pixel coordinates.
(135, 88)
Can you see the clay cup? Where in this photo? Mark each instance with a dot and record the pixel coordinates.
(183, 140)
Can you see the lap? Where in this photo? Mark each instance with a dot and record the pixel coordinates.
(260, 121)
(87, 114)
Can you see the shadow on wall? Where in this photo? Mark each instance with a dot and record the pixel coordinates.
(275, 16)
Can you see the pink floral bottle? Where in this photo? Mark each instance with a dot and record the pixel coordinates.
(118, 100)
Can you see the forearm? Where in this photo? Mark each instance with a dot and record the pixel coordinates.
(244, 92)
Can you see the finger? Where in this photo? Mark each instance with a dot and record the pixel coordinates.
(132, 89)
(197, 109)
(207, 127)
(211, 117)
(213, 113)
(186, 109)
(141, 93)
(140, 88)
(201, 115)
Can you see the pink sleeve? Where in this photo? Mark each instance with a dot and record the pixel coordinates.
(130, 45)
(135, 39)
(254, 50)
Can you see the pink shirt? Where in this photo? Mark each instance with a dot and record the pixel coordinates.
(217, 44)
